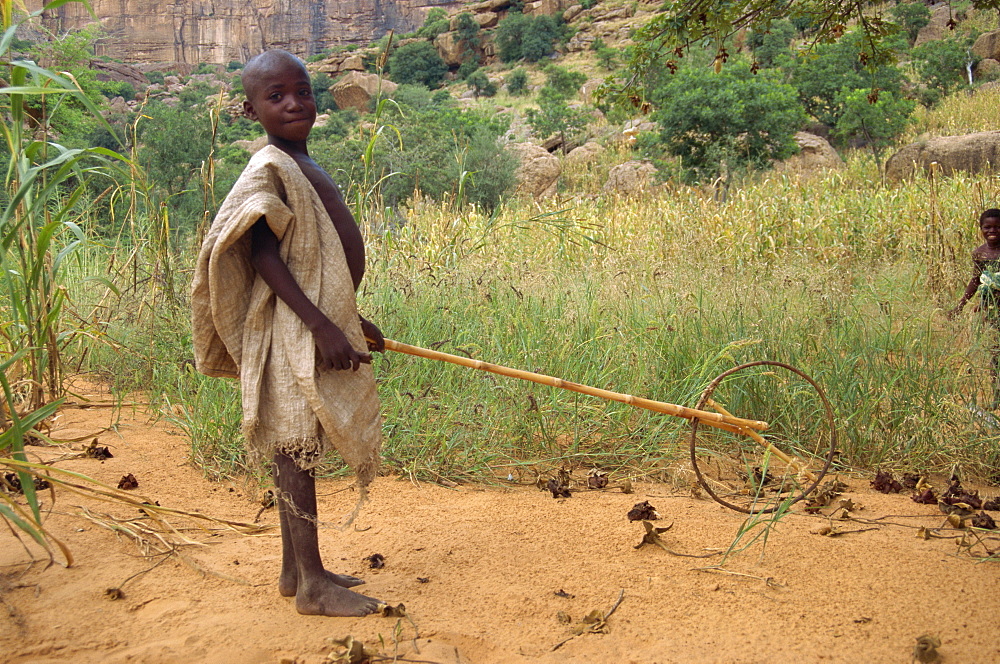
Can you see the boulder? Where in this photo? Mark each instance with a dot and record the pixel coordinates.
(356, 89)
(584, 154)
(630, 178)
(815, 154)
(938, 27)
(987, 45)
(633, 128)
(119, 71)
(254, 146)
(450, 48)
(971, 153)
(118, 106)
(538, 171)
(988, 69)
(572, 12)
(543, 7)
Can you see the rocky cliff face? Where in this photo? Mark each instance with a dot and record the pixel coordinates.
(219, 31)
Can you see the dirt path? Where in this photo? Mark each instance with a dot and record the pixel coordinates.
(486, 573)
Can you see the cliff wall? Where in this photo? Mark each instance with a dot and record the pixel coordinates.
(220, 31)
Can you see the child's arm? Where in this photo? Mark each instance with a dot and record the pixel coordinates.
(334, 348)
(970, 290)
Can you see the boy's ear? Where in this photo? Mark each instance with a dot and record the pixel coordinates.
(248, 110)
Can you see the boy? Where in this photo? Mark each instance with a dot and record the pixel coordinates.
(273, 303)
(986, 280)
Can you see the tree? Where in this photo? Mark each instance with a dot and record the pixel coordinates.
(683, 24)
(771, 46)
(911, 16)
(517, 82)
(481, 84)
(943, 66)
(554, 114)
(735, 116)
(877, 118)
(520, 37)
(822, 75)
(417, 62)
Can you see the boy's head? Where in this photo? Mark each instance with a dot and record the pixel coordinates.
(279, 95)
(992, 213)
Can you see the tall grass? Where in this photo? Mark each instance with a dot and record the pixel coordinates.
(653, 296)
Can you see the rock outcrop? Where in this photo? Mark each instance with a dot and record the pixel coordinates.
(815, 154)
(219, 32)
(356, 89)
(971, 153)
(939, 26)
(538, 171)
(630, 178)
(987, 45)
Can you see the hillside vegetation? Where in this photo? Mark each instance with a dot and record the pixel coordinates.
(652, 295)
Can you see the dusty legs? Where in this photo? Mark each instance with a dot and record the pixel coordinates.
(316, 591)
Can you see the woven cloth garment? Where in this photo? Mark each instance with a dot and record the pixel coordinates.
(241, 329)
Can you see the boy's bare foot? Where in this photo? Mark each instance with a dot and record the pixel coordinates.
(326, 598)
(288, 583)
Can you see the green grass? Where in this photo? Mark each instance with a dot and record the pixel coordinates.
(651, 296)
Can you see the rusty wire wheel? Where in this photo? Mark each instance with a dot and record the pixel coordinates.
(737, 471)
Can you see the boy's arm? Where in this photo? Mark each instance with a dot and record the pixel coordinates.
(970, 290)
(334, 348)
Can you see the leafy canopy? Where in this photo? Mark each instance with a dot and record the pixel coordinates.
(683, 24)
(735, 116)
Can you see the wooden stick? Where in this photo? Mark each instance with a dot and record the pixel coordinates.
(718, 420)
(789, 460)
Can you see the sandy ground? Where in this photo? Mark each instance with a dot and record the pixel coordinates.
(489, 575)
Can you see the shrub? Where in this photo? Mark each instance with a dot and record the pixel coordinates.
(520, 37)
(942, 66)
(417, 62)
(821, 77)
(517, 82)
(435, 23)
(481, 84)
(735, 116)
(911, 17)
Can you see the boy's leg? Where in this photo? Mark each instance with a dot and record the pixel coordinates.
(317, 592)
(289, 580)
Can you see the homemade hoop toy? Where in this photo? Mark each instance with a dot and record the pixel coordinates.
(736, 465)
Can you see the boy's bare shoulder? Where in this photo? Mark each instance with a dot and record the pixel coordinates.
(985, 253)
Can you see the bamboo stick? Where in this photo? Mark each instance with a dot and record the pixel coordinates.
(718, 420)
(789, 460)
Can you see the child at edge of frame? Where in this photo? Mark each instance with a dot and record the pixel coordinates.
(273, 304)
(986, 282)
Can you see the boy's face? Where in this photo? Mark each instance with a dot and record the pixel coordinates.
(282, 101)
(990, 228)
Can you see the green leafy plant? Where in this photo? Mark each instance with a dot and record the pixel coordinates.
(734, 117)
(417, 62)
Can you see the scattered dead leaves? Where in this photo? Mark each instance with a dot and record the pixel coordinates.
(643, 512)
(597, 478)
(99, 452)
(884, 482)
(349, 651)
(128, 482)
(925, 650)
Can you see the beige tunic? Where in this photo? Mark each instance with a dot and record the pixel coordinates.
(241, 329)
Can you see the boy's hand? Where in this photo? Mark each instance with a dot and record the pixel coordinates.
(335, 350)
(374, 336)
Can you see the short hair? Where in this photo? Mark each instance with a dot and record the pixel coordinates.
(260, 63)
(992, 213)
